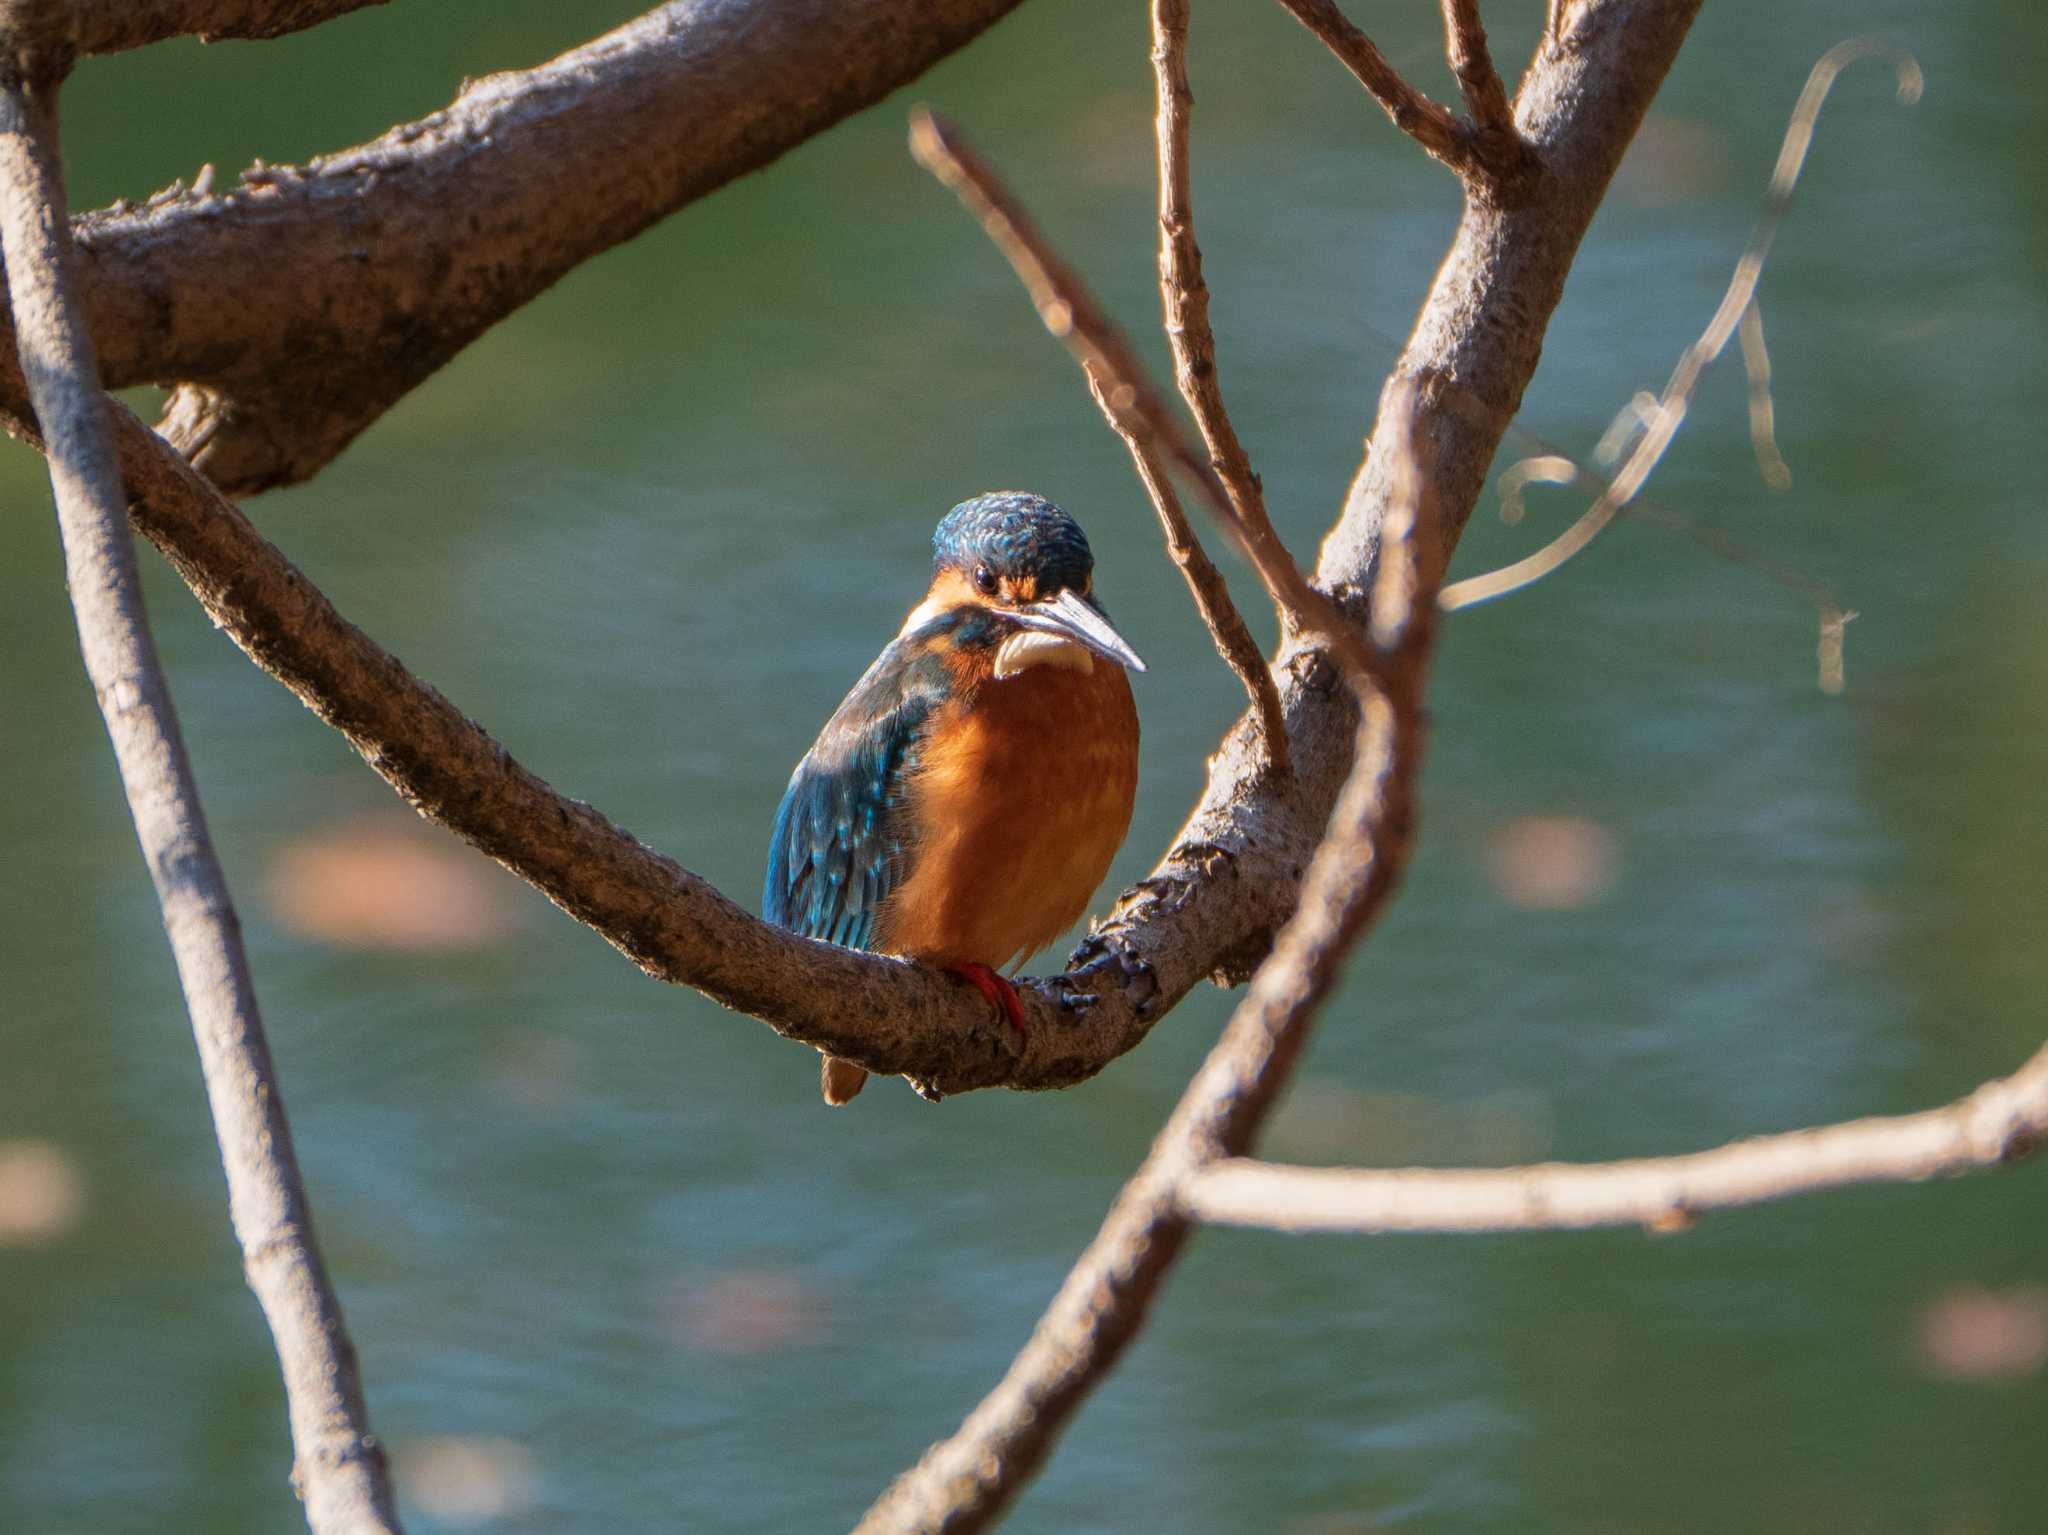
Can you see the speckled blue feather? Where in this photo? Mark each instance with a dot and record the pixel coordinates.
(1014, 532)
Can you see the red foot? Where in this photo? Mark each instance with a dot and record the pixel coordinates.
(999, 991)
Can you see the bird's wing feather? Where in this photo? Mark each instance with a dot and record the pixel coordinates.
(842, 836)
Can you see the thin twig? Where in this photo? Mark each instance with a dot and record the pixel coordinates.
(1661, 426)
(339, 1468)
(1234, 642)
(1763, 429)
(1488, 154)
(1998, 1123)
(1549, 466)
(963, 1483)
(1486, 99)
(1185, 298)
(1427, 122)
(1135, 408)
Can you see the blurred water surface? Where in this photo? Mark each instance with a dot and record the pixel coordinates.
(609, 1263)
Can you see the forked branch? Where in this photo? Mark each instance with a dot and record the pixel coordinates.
(1486, 99)
(1487, 152)
(404, 250)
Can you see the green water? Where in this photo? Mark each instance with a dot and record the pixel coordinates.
(601, 1234)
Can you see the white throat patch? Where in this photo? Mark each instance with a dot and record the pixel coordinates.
(1033, 647)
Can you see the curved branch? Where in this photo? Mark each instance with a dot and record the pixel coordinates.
(1484, 317)
(405, 250)
(885, 1014)
(338, 1467)
(2000, 1122)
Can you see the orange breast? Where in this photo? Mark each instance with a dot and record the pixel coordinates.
(1023, 794)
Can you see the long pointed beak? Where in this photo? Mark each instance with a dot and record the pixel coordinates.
(1078, 618)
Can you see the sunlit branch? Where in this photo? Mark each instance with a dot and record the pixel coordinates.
(1486, 152)
(1185, 299)
(1998, 1123)
(1486, 99)
(1763, 432)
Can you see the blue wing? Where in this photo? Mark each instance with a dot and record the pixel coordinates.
(842, 835)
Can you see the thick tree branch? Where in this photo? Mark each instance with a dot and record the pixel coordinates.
(1998, 1123)
(405, 250)
(107, 26)
(1482, 324)
(339, 1468)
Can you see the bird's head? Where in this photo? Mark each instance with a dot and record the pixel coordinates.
(1026, 566)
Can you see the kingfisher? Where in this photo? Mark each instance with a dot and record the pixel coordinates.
(961, 805)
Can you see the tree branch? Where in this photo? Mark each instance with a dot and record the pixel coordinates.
(1127, 397)
(1233, 640)
(405, 250)
(339, 1468)
(1486, 99)
(107, 26)
(1185, 298)
(886, 1014)
(1482, 325)
(1653, 431)
(1490, 158)
(1998, 1123)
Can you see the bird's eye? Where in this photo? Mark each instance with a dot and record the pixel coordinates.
(985, 580)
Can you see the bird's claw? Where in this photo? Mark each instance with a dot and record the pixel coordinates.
(1001, 994)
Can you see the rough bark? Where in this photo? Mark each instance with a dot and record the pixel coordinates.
(403, 251)
(107, 26)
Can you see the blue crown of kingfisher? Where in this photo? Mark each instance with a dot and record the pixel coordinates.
(1029, 568)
